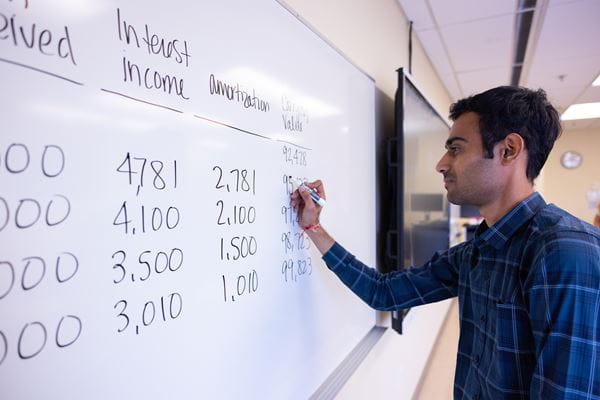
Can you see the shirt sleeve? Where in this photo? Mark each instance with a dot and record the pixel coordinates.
(563, 295)
(436, 280)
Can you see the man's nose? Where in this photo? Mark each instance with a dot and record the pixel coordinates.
(442, 165)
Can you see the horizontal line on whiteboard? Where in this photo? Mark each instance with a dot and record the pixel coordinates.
(142, 101)
(18, 64)
(292, 144)
(248, 132)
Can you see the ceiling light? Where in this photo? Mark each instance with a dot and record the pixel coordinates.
(597, 81)
(582, 111)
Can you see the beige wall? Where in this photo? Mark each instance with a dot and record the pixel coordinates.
(567, 187)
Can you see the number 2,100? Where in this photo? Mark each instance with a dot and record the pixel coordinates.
(240, 215)
(155, 218)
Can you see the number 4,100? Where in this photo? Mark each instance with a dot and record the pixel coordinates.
(158, 173)
(155, 217)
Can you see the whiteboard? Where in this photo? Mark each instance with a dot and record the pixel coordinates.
(148, 249)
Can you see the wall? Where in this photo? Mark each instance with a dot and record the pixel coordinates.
(567, 187)
(374, 36)
(438, 380)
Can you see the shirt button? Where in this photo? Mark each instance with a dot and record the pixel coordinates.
(476, 361)
(483, 317)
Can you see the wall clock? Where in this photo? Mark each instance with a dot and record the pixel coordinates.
(571, 159)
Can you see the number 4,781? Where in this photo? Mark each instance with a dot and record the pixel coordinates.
(142, 167)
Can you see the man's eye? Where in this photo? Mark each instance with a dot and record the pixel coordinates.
(453, 149)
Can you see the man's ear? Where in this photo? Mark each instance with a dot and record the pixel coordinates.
(512, 147)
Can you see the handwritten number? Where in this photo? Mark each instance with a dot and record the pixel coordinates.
(220, 204)
(124, 220)
(122, 314)
(127, 170)
(219, 185)
(148, 267)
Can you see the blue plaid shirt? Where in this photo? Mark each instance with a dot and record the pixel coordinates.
(529, 297)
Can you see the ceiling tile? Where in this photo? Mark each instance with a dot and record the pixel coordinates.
(570, 30)
(590, 95)
(561, 96)
(480, 44)
(435, 50)
(478, 38)
(417, 12)
(455, 11)
(579, 71)
(478, 81)
(452, 86)
(553, 3)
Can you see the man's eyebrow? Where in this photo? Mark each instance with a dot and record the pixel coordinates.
(454, 139)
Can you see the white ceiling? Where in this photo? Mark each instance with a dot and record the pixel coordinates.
(471, 43)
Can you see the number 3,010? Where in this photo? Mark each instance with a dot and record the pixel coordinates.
(149, 311)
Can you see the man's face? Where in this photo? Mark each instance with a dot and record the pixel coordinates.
(469, 177)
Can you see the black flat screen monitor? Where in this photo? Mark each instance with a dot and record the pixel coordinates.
(420, 211)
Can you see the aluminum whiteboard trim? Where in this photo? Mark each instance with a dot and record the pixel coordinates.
(338, 378)
(323, 38)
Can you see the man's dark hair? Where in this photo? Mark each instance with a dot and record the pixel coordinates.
(508, 109)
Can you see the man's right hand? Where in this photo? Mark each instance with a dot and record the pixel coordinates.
(309, 213)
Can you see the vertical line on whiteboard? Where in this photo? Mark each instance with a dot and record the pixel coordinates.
(175, 171)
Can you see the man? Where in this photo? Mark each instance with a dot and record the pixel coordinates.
(528, 283)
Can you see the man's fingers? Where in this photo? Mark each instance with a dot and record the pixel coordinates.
(308, 203)
(295, 199)
(319, 187)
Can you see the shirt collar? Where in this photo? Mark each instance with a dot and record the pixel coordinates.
(498, 234)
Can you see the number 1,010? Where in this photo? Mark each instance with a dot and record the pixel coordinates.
(244, 284)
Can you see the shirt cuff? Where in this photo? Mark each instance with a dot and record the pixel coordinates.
(335, 256)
